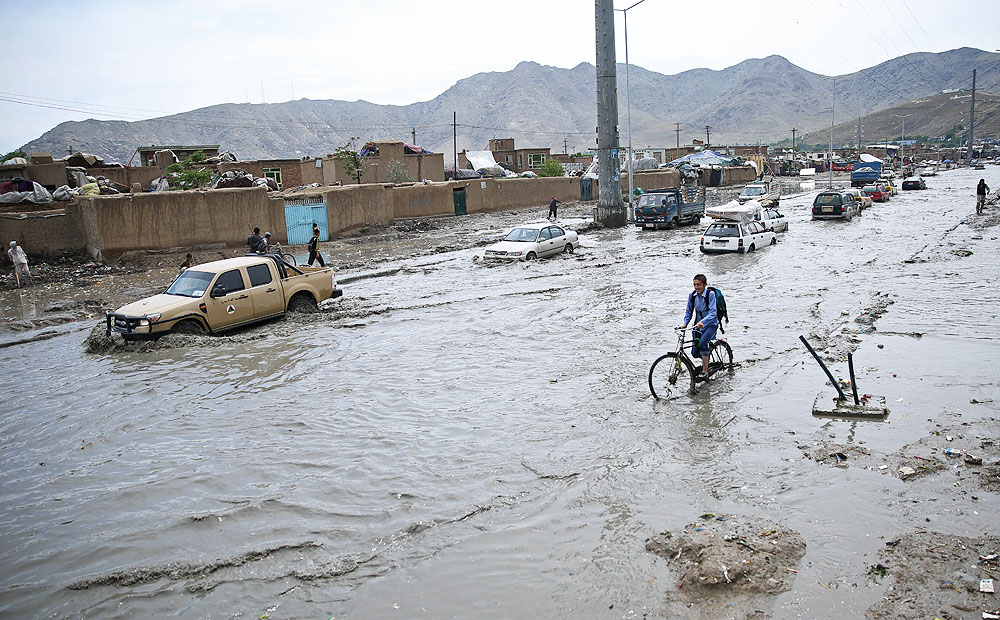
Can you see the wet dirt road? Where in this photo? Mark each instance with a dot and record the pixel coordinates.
(456, 440)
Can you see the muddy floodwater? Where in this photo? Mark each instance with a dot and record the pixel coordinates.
(454, 439)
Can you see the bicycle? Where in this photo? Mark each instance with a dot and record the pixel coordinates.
(677, 368)
(285, 256)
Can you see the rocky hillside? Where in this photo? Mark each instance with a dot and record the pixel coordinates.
(756, 100)
(932, 116)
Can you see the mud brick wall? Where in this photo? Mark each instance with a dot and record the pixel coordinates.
(115, 224)
(654, 179)
(56, 231)
(354, 206)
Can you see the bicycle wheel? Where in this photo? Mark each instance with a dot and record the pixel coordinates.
(720, 357)
(670, 373)
(288, 258)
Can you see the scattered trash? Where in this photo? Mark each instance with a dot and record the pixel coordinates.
(974, 460)
(949, 438)
(986, 585)
(906, 472)
(953, 452)
(553, 380)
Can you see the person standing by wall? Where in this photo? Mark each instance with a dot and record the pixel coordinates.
(314, 252)
(20, 260)
(253, 241)
(553, 205)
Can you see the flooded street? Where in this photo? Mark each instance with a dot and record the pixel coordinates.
(454, 439)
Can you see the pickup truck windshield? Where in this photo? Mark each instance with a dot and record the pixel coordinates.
(655, 200)
(752, 191)
(191, 284)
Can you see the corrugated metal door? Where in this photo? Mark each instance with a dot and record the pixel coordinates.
(586, 189)
(300, 215)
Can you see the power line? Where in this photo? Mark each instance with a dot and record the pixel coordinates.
(919, 25)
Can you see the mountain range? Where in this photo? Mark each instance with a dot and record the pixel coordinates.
(757, 100)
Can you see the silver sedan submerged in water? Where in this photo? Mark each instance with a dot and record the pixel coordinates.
(531, 241)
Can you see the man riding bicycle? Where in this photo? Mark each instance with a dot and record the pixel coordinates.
(702, 304)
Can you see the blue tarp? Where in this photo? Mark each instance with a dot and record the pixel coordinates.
(705, 158)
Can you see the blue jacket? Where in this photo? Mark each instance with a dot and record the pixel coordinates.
(703, 309)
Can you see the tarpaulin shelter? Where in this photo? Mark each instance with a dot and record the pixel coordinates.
(705, 158)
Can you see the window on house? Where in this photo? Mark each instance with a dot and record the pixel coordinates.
(273, 173)
(520, 160)
(510, 159)
(535, 160)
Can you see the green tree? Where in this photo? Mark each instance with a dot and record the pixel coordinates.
(350, 159)
(397, 173)
(187, 175)
(15, 153)
(551, 168)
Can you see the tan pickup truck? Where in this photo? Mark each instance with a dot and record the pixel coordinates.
(224, 294)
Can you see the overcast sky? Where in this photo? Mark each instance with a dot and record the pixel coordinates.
(129, 60)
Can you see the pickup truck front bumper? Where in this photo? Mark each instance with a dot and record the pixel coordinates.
(130, 327)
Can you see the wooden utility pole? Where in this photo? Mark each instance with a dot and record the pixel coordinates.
(454, 139)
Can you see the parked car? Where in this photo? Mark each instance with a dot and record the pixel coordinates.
(223, 294)
(834, 205)
(864, 200)
(735, 236)
(531, 241)
(878, 192)
(889, 185)
(773, 220)
(917, 183)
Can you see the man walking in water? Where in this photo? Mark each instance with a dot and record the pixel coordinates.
(552, 208)
(314, 252)
(702, 304)
(981, 191)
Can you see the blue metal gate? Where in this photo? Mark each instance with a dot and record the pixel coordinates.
(300, 215)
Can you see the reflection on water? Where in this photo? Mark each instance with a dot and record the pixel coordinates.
(454, 432)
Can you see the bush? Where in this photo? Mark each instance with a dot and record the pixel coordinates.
(551, 168)
(397, 173)
(186, 175)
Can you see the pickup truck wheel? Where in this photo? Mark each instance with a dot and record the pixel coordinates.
(568, 248)
(189, 326)
(774, 240)
(302, 303)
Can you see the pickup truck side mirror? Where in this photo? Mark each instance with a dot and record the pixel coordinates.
(218, 290)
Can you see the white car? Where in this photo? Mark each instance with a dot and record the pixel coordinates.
(772, 220)
(734, 236)
(531, 241)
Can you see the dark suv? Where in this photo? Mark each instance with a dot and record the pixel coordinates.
(831, 205)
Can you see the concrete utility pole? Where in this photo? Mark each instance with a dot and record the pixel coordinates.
(565, 142)
(708, 136)
(610, 210)
(972, 117)
(833, 115)
(454, 140)
(793, 138)
(414, 133)
(677, 129)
